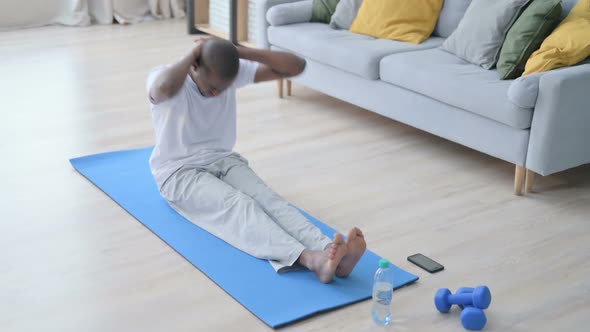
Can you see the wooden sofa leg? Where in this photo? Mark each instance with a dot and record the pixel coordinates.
(288, 87)
(530, 180)
(280, 85)
(519, 176)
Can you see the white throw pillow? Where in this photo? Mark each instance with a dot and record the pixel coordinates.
(345, 14)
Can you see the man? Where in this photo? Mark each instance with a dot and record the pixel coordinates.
(194, 114)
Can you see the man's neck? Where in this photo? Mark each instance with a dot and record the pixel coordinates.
(197, 84)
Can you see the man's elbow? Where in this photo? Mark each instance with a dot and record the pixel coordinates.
(160, 93)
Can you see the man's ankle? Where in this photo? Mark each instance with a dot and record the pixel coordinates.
(305, 258)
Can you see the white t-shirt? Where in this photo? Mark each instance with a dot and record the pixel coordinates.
(192, 129)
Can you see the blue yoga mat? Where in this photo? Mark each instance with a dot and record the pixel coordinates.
(277, 299)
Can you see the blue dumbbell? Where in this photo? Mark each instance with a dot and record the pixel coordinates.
(464, 290)
(479, 298)
(471, 318)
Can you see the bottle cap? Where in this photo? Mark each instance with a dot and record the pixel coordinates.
(384, 263)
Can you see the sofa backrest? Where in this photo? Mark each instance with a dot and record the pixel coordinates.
(450, 16)
(567, 6)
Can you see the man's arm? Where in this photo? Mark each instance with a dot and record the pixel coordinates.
(273, 65)
(171, 79)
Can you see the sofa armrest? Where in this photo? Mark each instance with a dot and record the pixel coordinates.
(262, 7)
(560, 131)
(290, 13)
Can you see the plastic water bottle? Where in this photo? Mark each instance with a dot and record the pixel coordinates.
(382, 293)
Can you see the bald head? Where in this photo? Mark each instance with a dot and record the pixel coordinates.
(221, 59)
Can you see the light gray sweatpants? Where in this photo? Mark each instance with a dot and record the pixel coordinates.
(227, 199)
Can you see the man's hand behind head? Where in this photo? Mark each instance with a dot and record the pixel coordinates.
(198, 49)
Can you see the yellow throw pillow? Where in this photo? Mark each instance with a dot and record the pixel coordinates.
(406, 20)
(567, 45)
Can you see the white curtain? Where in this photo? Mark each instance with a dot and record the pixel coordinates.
(16, 14)
(133, 11)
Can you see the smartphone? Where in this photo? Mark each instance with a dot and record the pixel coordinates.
(426, 263)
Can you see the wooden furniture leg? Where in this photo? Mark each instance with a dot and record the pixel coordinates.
(519, 176)
(530, 180)
(280, 85)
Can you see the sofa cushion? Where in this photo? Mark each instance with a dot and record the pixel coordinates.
(481, 32)
(567, 45)
(350, 52)
(404, 20)
(345, 13)
(450, 16)
(526, 35)
(323, 10)
(451, 80)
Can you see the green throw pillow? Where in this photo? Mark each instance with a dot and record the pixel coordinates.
(322, 10)
(526, 35)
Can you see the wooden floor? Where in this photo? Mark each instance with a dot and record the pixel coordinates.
(72, 260)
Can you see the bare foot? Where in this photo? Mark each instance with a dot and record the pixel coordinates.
(356, 246)
(324, 263)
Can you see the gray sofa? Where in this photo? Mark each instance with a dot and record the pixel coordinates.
(540, 123)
